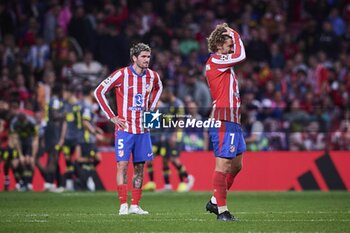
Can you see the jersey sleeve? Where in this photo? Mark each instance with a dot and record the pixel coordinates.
(225, 61)
(104, 87)
(156, 92)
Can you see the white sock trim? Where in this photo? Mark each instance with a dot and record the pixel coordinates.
(124, 204)
(213, 200)
(222, 209)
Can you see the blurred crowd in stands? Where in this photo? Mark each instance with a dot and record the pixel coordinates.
(294, 84)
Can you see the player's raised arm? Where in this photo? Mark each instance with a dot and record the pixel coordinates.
(156, 92)
(238, 55)
(104, 87)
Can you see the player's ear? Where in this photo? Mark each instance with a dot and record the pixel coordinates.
(134, 58)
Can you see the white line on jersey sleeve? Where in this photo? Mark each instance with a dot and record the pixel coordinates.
(231, 59)
(158, 86)
(100, 93)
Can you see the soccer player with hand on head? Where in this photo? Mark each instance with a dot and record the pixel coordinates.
(138, 89)
(227, 50)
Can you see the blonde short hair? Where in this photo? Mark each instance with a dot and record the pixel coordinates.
(137, 49)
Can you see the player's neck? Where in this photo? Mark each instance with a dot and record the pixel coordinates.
(138, 69)
(221, 53)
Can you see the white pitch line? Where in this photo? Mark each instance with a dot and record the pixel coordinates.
(241, 220)
(35, 220)
(294, 220)
(294, 212)
(36, 215)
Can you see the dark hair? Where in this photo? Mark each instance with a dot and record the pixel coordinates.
(57, 90)
(87, 90)
(137, 49)
(21, 117)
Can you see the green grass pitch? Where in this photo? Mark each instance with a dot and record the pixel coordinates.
(175, 212)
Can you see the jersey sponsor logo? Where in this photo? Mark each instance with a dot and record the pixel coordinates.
(138, 103)
(138, 100)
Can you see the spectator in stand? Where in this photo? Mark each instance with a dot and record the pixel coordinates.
(64, 15)
(38, 54)
(341, 137)
(198, 90)
(337, 22)
(50, 23)
(111, 47)
(277, 59)
(88, 69)
(7, 21)
(195, 139)
(11, 50)
(328, 41)
(116, 16)
(257, 49)
(21, 88)
(60, 45)
(255, 136)
(187, 42)
(81, 28)
(313, 139)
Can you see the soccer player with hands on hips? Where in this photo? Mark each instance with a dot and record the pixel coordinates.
(138, 89)
(227, 50)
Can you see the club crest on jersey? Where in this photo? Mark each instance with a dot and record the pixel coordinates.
(224, 57)
(232, 148)
(148, 87)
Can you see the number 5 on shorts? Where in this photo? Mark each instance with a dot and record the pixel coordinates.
(120, 143)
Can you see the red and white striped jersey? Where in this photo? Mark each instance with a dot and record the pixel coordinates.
(223, 82)
(134, 95)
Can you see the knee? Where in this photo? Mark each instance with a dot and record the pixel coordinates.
(122, 168)
(224, 167)
(236, 168)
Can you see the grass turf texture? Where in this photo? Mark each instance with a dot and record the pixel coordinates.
(175, 212)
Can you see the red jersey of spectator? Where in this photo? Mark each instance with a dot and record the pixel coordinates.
(223, 82)
(134, 95)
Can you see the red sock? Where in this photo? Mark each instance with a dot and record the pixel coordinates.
(123, 193)
(136, 196)
(229, 180)
(220, 188)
